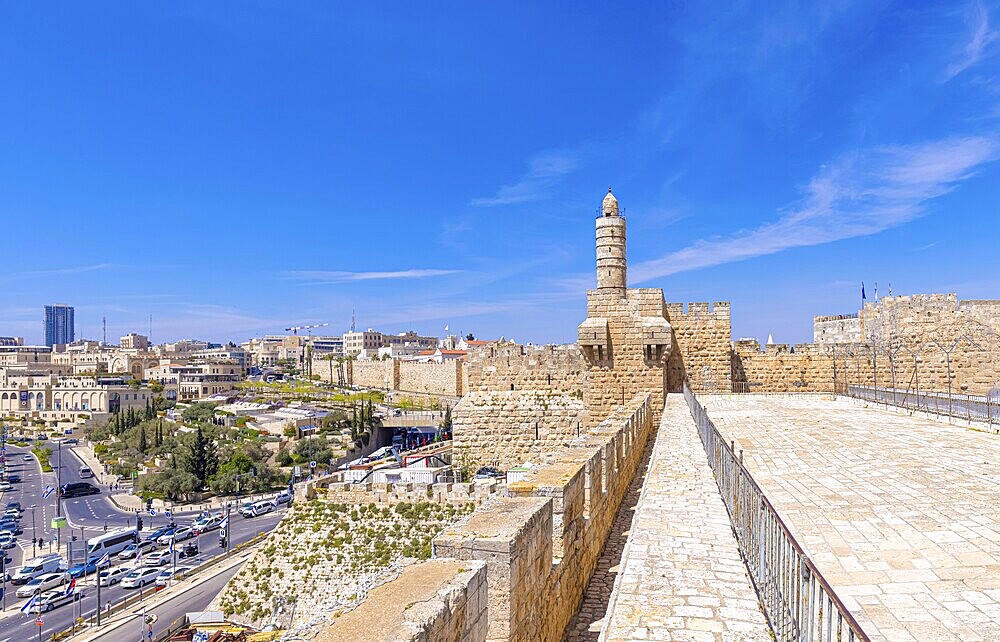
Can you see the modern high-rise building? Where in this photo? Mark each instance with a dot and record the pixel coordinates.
(59, 327)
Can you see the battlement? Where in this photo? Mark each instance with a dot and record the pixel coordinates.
(697, 310)
(834, 317)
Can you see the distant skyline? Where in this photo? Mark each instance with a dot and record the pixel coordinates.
(233, 171)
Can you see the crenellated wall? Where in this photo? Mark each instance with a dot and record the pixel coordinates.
(702, 336)
(542, 544)
(508, 428)
(510, 366)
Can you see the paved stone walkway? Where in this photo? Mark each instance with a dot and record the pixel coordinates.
(900, 514)
(586, 624)
(681, 575)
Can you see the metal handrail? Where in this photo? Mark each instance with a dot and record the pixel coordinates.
(798, 602)
(984, 408)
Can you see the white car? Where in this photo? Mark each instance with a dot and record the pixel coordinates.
(139, 577)
(8, 541)
(5, 486)
(42, 583)
(179, 535)
(158, 558)
(114, 575)
(52, 599)
(205, 524)
(130, 551)
(27, 457)
(165, 576)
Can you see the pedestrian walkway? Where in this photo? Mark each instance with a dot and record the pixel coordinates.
(681, 576)
(900, 514)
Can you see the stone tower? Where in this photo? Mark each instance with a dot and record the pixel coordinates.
(611, 264)
(626, 337)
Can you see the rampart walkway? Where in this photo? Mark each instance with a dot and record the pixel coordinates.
(900, 514)
(681, 575)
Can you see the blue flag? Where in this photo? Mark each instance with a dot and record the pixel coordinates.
(863, 291)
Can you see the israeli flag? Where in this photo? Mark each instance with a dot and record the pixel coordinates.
(28, 605)
(48, 491)
(170, 549)
(104, 560)
(224, 524)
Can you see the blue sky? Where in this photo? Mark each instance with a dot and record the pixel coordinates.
(235, 168)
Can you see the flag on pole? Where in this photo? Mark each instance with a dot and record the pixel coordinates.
(225, 523)
(104, 560)
(446, 328)
(71, 587)
(170, 549)
(890, 288)
(138, 558)
(876, 291)
(863, 292)
(27, 605)
(48, 491)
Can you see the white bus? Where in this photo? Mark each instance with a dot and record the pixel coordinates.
(111, 543)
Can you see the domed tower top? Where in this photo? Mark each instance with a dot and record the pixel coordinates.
(609, 206)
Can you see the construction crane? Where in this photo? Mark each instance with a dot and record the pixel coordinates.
(309, 328)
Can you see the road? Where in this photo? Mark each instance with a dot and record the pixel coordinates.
(89, 517)
(196, 599)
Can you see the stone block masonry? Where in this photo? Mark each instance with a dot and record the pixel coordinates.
(542, 544)
(508, 366)
(505, 429)
(701, 352)
(436, 600)
(445, 379)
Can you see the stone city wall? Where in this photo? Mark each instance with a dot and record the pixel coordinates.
(433, 600)
(508, 428)
(839, 329)
(445, 379)
(509, 366)
(542, 544)
(476, 492)
(701, 351)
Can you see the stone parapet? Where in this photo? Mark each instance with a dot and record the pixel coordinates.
(541, 545)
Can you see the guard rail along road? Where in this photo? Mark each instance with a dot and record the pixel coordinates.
(798, 602)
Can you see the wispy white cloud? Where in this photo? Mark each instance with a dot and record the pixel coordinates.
(317, 277)
(66, 271)
(981, 38)
(543, 171)
(860, 194)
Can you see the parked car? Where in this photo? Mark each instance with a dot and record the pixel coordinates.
(114, 575)
(167, 574)
(52, 599)
(158, 558)
(79, 489)
(84, 568)
(139, 577)
(42, 583)
(490, 473)
(131, 550)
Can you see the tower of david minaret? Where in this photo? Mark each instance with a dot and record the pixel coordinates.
(626, 337)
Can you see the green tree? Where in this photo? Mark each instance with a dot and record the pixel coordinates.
(200, 412)
(200, 458)
(156, 387)
(314, 449)
(143, 446)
